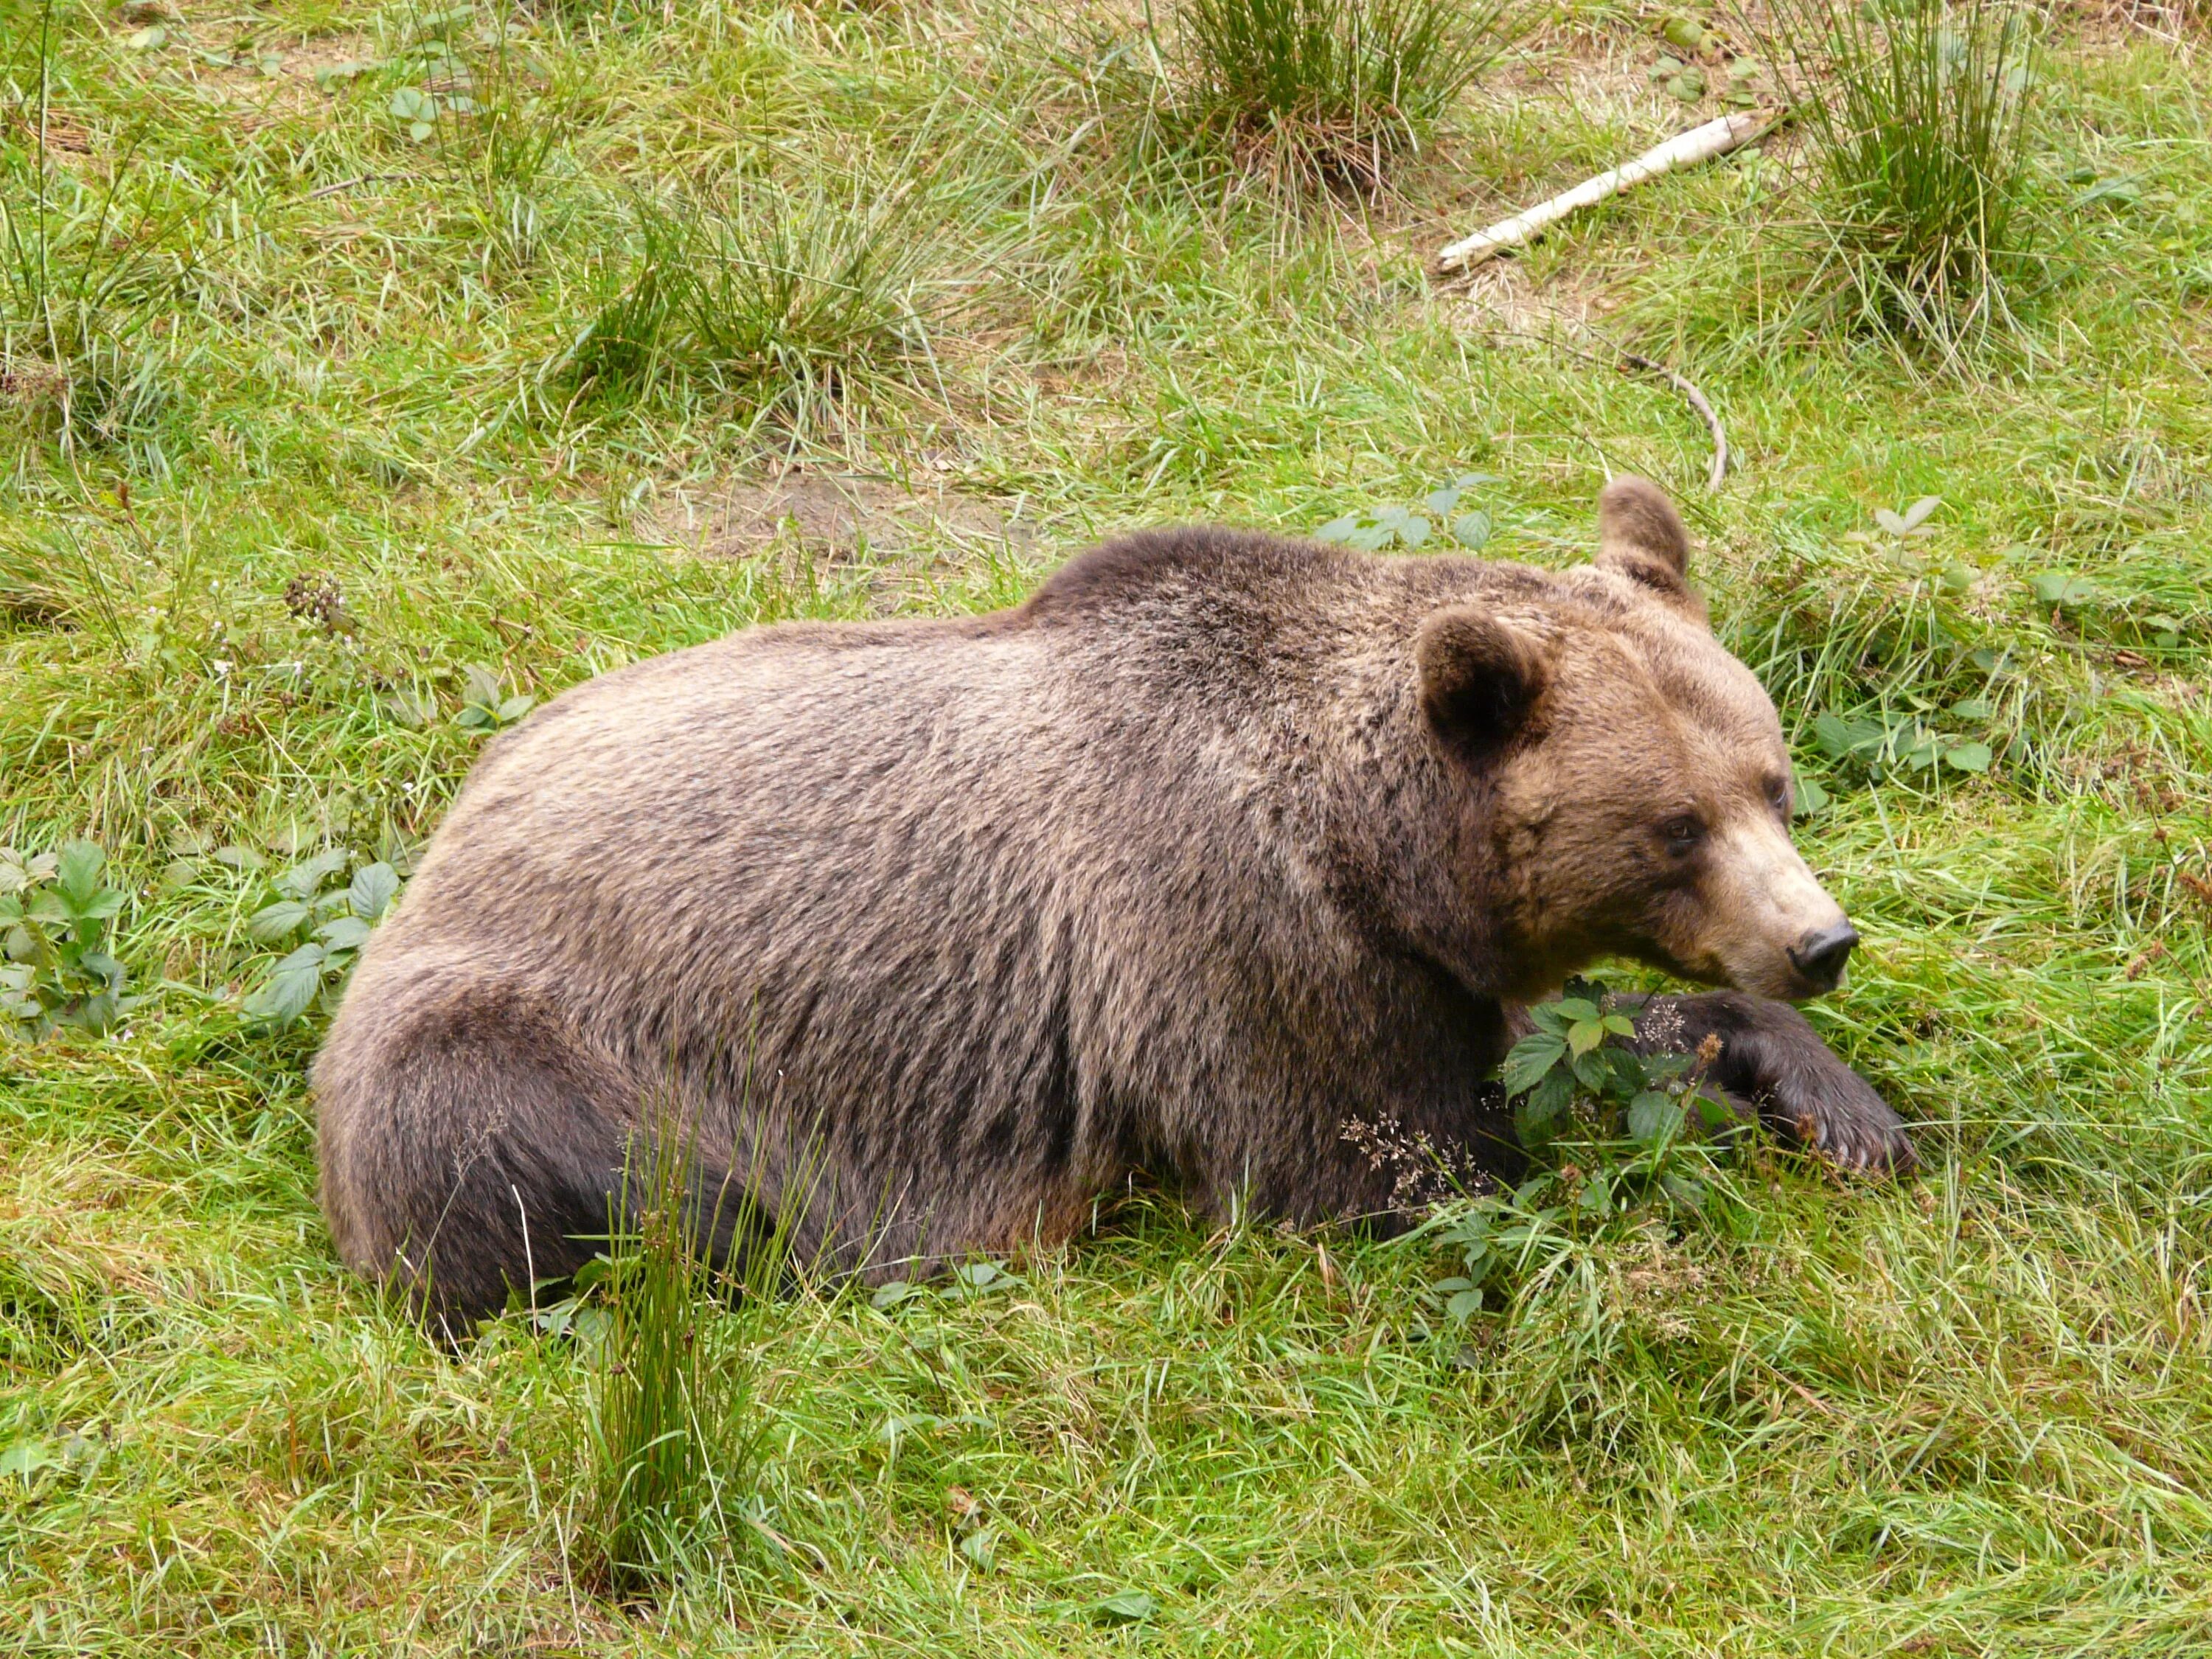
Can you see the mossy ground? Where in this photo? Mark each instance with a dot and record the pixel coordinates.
(1968, 1413)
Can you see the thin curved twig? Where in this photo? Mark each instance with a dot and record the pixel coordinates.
(1636, 362)
(1630, 359)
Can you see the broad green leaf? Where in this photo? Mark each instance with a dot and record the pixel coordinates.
(1547, 1017)
(1542, 1108)
(1464, 1305)
(1652, 1116)
(1128, 1606)
(2066, 590)
(1834, 737)
(413, 104)
(1578, 1009)
(290, 989)
(1584, 1035)
(20, 1459)
(275, 922)
(1972, 708)
(1969, 757)
(1712, 1111)
(1917, 514)
(1472, 530)
(76, 870)
(1619, 1025)
(374, 887)
(515, 707)
(1593, 1070)
(343, 933)
(483, 687)
(101, 906)
(1529, 1061)
(1441, 501)
(305, 879)
(1811, 797)
(1339, 530)
(889, 1296)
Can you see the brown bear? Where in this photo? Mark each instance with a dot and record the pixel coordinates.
(1217, 843)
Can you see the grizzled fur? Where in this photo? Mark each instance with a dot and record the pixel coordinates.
(934, 931)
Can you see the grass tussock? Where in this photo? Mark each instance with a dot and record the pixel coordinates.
(685, 1293)
(1923, 115)
(786, 299)
(1317, 93)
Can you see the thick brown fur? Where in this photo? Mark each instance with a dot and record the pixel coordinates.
(934, 931)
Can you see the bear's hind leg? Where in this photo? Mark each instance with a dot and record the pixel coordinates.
(470, 1143)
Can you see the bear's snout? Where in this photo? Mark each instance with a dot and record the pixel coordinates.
(1819, 957)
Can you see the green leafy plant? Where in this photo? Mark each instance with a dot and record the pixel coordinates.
(486, 704)
(1922, 114)
(1326, 92)
(325, 909)
(1581, 1054)
(1378, 528)
(56, 914)
(1617, 1136)
(1890, 741)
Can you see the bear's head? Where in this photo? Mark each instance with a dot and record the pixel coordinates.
(1631, 785)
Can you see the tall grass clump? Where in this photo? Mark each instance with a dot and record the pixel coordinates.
(674, 1436)
(781, 298)
(1921, 113)
(84, 271)
(1330, 92)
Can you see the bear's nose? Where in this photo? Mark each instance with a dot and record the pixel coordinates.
(1819, 956)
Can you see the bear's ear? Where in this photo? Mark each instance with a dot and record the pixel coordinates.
(1641, 536)
(1481, 678)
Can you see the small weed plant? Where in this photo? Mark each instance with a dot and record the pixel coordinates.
(1921, 113)
(57, 916)
(1331, 92)
(1379, 529)
(1629, 1150)
(1617, 1133)
(324, 914)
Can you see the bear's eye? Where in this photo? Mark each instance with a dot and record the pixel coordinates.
(1682, 834)
(1778, 795)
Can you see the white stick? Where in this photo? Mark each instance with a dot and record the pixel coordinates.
(1684, 150)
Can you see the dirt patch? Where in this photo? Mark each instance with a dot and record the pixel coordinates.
(848, 517)
(901, 544)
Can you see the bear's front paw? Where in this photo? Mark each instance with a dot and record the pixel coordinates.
(1833, 1111)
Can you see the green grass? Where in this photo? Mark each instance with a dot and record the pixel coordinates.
(1965, 1415)
(1329, 92)
(1922, 114)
